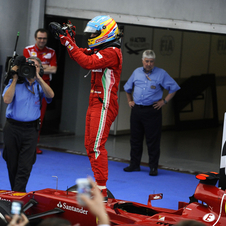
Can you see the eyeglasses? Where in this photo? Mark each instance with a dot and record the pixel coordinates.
(39, 38)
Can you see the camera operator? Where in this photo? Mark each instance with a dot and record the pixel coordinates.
(23, 96)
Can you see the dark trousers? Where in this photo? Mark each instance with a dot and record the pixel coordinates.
(19, 152)
(145, 120)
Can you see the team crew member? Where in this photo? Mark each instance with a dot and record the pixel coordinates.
(104, 58)
(148, 83)
(20, 132)
(48, 58)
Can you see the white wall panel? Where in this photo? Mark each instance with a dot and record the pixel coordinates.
(199, 15)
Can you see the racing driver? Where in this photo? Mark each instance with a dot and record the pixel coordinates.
(104, 59)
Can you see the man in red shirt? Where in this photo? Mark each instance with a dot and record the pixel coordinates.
(49, 63)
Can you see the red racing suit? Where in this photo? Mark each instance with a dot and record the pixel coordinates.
(48, 57)
(106, 66)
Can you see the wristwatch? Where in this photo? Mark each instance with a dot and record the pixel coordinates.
(165, 101)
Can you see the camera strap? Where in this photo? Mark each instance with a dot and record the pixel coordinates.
(40, 99)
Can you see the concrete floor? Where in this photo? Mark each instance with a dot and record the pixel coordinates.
(190, 151)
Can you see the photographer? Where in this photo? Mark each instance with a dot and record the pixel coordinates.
(23, 94)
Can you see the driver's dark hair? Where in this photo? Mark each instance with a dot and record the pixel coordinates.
(42, 30)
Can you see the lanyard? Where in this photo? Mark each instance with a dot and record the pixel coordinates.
(146, 74)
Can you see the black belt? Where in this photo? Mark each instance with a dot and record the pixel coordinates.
(143, 106)
(24, 124)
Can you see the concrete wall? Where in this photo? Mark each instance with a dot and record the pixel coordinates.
(23, 16)
(12, 21)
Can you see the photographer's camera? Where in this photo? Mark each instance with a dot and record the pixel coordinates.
(27, 69)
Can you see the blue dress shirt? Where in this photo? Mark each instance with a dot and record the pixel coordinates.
(25, 105)
(145, 90)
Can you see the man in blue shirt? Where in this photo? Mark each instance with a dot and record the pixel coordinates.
(23, 96)
(147, 84)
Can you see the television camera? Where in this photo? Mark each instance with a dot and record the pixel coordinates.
(26, 69)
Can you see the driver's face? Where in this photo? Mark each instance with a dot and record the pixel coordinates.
(93, 35)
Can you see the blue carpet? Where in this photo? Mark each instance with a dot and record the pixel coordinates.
(135, 186)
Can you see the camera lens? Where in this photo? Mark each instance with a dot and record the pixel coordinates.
(25, 71)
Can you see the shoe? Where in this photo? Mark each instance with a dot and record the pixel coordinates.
(153, 172)
(131, 168)
(38, 151)
(104, 193)
(105, 199)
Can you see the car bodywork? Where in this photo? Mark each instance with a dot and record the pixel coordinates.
(207, 205)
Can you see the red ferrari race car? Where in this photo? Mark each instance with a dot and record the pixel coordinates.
(207, 205)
